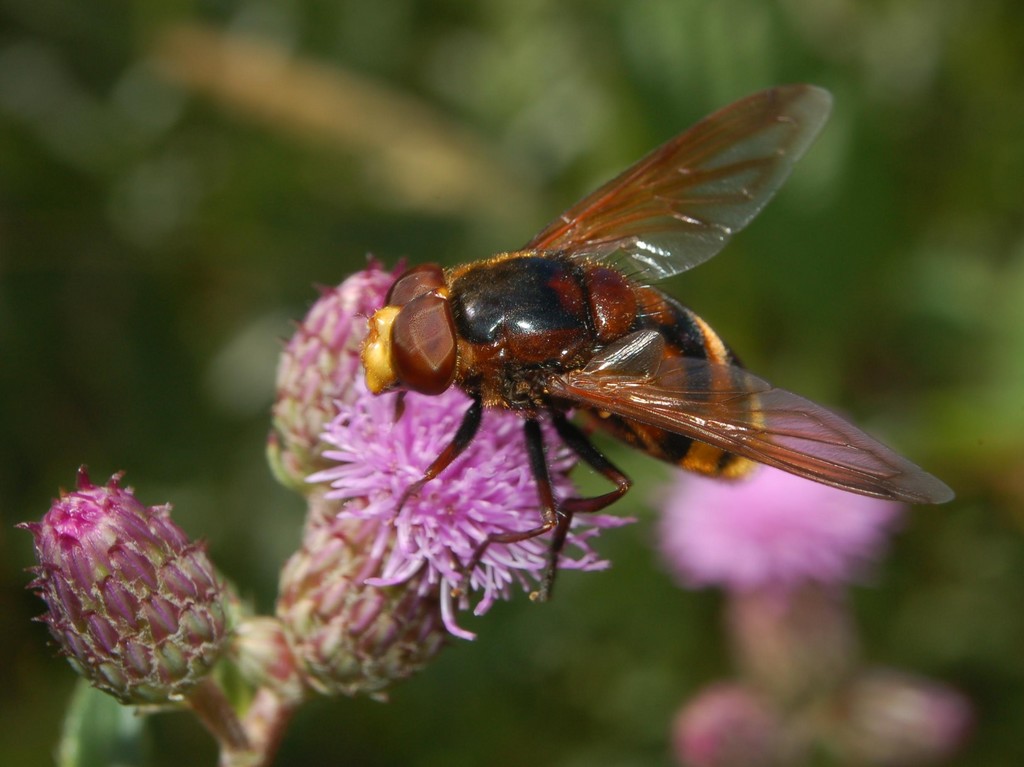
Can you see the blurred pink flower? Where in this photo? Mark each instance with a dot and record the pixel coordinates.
(727, 725)
(896, 718)
(772, 529)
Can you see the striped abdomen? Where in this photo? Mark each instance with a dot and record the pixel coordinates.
(687, 335)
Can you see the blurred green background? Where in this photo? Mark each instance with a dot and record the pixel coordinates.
(175, 177)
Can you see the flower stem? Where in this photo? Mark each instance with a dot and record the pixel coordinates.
(265, 723)
(214, 710)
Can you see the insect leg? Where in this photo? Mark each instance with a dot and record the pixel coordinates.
(463, 436)
(552, 516)
(399, 406)
(577, 441)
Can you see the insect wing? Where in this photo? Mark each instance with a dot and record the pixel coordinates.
(679, 206)
(732, 409)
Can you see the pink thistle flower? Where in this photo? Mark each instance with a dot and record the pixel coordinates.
(488, 490)
(354, 462)
(773, 529)
(348, 637)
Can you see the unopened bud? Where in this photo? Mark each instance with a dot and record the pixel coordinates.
(318, 368)
(265, 658)
(728, 725)
(132, 602)
(351, 637)
(899, 719)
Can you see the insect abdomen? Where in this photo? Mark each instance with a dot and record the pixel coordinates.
(684, 331)
(673, 448)
(686, 335)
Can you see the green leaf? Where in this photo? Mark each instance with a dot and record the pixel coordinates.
(100, 732)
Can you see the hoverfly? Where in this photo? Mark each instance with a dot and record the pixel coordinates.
(570, 323)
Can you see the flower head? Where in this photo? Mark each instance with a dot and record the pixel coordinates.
(773, 529)
(318, 368)
(372, 579)
(488, 490)
(351, 637)
(134, 605)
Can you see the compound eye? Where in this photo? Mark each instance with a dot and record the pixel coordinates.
(423, 344)
(415, 282)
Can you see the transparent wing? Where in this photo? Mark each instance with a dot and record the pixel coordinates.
(679, 206)
(736, 411)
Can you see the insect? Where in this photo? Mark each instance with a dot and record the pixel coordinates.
(570, 322)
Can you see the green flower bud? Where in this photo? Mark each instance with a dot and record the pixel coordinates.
(351, 637)
(318, 368)
(265, 657)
